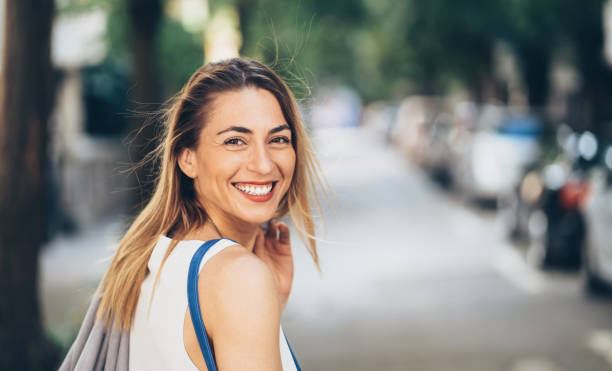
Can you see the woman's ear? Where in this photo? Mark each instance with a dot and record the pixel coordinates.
(187, 162)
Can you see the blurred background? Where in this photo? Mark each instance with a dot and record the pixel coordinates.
(468, 144)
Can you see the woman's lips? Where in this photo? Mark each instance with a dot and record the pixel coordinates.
(256, 191)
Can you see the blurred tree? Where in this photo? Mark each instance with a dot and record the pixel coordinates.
(427, 46)
(157, 54)
(434, 44)
(586, 32)
(381, 47)
(144, 19)
(179, 52)
(538, 28)
(384, 49)
(307, 42)
(26, 96)
(534, 29)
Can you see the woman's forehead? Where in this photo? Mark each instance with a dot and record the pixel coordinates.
(254, 108)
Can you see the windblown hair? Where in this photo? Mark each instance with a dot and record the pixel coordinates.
(173, 209)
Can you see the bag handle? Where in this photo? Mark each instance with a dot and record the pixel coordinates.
(194, 306)
(194, 303)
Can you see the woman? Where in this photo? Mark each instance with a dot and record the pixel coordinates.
(235, 154)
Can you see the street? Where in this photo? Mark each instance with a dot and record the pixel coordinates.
(413, 279)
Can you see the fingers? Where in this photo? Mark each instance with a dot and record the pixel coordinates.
(259, 240)
(271, 233)
(278, 231)
(283, 235)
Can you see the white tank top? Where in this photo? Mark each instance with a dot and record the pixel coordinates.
(156, 340)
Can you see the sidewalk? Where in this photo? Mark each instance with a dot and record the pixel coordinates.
(70, 269)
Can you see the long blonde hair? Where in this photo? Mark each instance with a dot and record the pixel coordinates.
(173, 208)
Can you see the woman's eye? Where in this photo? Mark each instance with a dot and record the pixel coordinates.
(283, 140)
(234, 141)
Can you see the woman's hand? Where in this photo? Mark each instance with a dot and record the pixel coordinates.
(274, 248)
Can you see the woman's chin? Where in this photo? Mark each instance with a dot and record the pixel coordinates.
(255, 217)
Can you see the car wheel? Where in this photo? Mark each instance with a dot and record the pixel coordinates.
(591, 280)
(572, 231)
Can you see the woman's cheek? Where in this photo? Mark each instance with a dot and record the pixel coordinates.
(291, 163)
(288, 168)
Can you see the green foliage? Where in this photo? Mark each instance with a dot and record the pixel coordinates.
(433, 43)
(117, 32)
(180, 53)
(385, 48)
(79, 6)
(309, 42)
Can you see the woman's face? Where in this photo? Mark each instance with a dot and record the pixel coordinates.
(244, 161)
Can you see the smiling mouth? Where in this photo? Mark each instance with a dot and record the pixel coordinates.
(255, 189)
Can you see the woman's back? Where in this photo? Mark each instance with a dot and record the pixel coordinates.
(157, 337)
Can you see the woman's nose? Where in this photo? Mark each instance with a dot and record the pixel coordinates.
(259, 160)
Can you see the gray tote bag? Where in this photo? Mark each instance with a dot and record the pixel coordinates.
(95, 348)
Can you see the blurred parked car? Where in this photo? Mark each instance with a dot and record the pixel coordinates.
(437, 159)
(410, 129)
(556, 224)
(597, 253)
(494, 158)
(546, 208)
(335, 106)
(379, 118)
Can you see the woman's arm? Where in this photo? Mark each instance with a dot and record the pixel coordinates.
(241, 311)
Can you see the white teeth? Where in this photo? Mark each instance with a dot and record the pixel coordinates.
(254, 190)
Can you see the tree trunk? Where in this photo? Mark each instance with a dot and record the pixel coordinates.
(26, 92)
(596, 75)
(145, 16)
(245, 9)
(536, 59)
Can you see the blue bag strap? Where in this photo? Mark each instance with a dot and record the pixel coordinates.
(194, 306)
(297, 365)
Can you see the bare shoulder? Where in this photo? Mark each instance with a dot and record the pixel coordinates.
(236, 277)
(242, 309)
(238, 269)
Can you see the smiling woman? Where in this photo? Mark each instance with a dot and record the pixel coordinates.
(234, 155)
(245, 160)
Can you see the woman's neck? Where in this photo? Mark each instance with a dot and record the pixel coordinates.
(237, 230)
(226, 227)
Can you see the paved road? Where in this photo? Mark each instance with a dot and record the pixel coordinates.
(415, 280)
(412, 280)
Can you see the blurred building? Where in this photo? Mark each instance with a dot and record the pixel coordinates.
(85, 159)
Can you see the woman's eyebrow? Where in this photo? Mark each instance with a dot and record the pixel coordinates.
(242, 129)
(279, 128)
